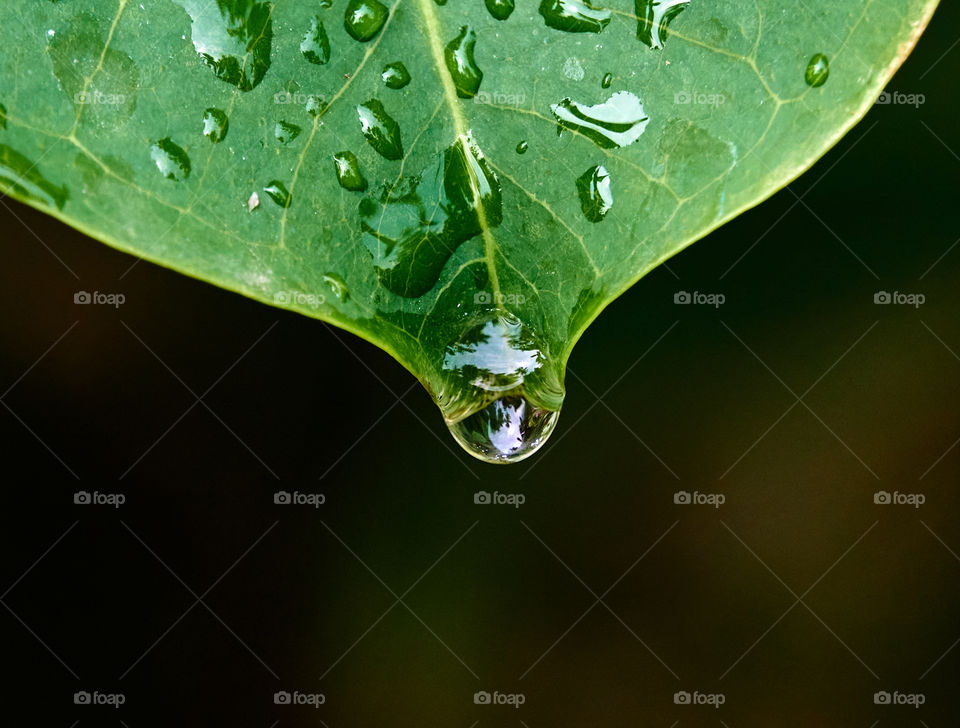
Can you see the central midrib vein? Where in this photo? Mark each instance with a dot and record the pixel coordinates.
(462, 130)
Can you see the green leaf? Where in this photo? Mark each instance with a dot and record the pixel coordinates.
(466, 185)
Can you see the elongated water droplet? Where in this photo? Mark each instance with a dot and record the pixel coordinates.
(277, 191)
(653, 19)
(364, 18)
(617, 122)
(315, 45)
(460, 62)
(233, 37)
(215, 125)
(574, 16)
(170, 159)
(500, 395)
(19, 176)
(500, 9)
(380, 129)
(348, 172)
(413, 227)
(596, 198)
(818, 71)
(395, 75)
(3, 116)
(285, 132)
(338, 286)
(606, 80)
(522, 147)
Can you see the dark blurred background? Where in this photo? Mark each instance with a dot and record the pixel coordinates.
(799, 600)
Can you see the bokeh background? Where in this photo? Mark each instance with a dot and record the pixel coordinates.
(599, 598)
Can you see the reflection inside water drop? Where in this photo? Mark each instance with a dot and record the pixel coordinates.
(505, 431)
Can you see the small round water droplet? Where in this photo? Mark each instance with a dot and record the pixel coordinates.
(215, 125)
(338, 286)
(574, 16)
(315, 45)
(460, 62)
(522, 147)
(277, 191)
(348, 172)
(500, 9)
(363, 19)
(818, 70)
(170, 159)
(507, 430)
(596, 199)
(607, 80)
(380, 129)
(285, 132)
(395, 75)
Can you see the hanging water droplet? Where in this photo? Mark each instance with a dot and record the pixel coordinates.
(596, 198)
(170, 159)
(215, 125)
(395, 75)
(501, 394)
(654, 17)
(277, 191)
(574, 16)
(617, 122)
(464, 71)
(285, 132)
(338, 286)
(348, 172)
(233, 37)
(607, 80)
(818, 70)
(315, 45)
(500, 9)
(363, 19)
(380, 129)
(522, 147)
(414, 225)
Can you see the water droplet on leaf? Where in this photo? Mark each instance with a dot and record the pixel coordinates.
(522, 147)
(348, 172)
(607, 80)
(285, 132)
(277, 191)
(654, 17)
(380, 129)
(574, 16)
(460, 62)
(364, 18)
(170, 159)
(818, 71)
(395, 75)
(338, 286)
(500, 9)
(315, 106)
(315, 45)
(617, 122)
(215, 125)
(596, 198)
(20, 176)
